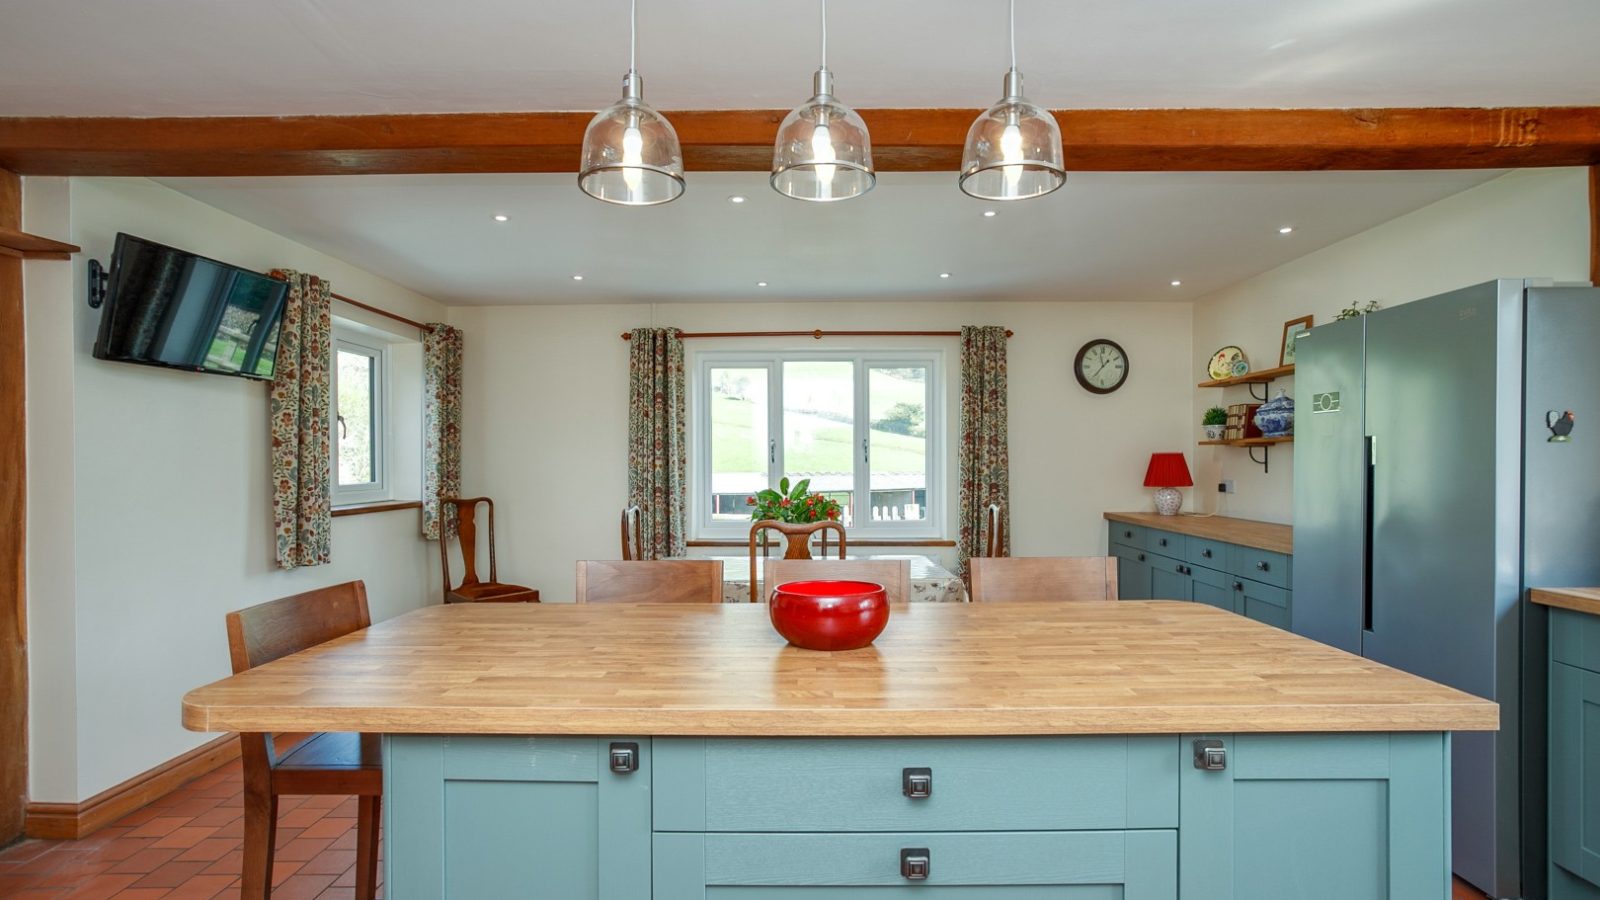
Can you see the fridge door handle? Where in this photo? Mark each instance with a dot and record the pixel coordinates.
(1369, 477)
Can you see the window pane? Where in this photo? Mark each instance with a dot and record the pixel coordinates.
(819, 428)
(738, 440)
(897, 400)
(354, 437)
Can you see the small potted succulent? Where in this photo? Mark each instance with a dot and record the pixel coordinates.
(1215, 423)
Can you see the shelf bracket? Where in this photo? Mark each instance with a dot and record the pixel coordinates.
(1251, 387)
(1266, 454)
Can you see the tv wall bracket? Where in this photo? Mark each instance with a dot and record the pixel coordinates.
(99, 280)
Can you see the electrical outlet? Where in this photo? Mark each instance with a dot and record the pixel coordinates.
(1225, 487)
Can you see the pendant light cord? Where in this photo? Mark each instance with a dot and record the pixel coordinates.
(633, 33)
(824, 34)
(1013, 17)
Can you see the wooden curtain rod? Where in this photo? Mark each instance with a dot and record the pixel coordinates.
(819, 334)
(372, 309)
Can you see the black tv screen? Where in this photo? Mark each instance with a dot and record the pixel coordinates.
(167, 307)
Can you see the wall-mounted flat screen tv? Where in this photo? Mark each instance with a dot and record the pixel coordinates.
(168, 307)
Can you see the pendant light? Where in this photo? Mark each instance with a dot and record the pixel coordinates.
(823, 152)
(631, 155)
(1013, 150)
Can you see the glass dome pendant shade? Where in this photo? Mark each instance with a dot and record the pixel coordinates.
(631, 154)
(823, 152)
(1013, 150)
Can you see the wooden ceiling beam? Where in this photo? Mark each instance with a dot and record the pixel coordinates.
(904, 140)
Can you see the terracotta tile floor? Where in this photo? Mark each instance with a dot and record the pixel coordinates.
(186, 846)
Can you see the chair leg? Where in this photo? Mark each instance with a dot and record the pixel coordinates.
(260, 834)
(369, 815)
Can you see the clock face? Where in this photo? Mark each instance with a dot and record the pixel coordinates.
(1101, 366)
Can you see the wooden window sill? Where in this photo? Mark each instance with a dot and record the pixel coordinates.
(362, 509)
(852, 542)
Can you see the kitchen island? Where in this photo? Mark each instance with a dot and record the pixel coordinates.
(1143, 750)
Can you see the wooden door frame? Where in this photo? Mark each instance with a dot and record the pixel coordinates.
(13, 527)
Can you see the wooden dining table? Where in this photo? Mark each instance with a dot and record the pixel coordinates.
(930, 582)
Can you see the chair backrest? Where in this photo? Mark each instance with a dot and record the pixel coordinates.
(994, 532)
(1044, 578)
(466, 516)
(797, 542)
(650, 581)
(632, 539)
(893, 574)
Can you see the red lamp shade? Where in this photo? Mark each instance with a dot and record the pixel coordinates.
(1167, 470)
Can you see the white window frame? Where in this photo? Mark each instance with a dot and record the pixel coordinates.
(382, 486)
(933, 527)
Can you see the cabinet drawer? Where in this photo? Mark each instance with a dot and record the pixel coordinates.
(1261, 565)
(1575, 638)
(1165, 543)
(1126, 535)
(1208, 553)
(1091, 865)
(858, 785)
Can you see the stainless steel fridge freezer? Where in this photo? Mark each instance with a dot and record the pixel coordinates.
(1428, 496)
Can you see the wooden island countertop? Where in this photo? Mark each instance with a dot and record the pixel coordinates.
(719, 669)
(1577, 599)
(1245, 532)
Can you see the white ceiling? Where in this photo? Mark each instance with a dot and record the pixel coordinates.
(1104, 236)
(234, 57)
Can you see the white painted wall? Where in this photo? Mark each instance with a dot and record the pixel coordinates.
(546, 390)
(149, 510)
(1530, 223)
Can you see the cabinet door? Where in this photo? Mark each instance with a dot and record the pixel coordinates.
(1169, 579)
(1263, 602)
(1212, 588)
(1318, 817)
(1133, 573)
(1012, 865)
(468, 816)
(1575, 772)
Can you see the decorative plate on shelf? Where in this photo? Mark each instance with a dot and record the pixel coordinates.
(1222, 362)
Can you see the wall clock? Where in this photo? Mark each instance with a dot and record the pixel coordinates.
(1101, 366)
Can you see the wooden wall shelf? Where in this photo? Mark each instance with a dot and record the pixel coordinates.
(1250, 442)
(1262, 377)
(30, 246)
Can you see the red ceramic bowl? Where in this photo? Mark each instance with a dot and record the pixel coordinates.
(829, 615)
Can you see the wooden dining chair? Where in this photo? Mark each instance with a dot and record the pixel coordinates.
(632, 538)
(650, 581)
(797, 537)
(893, 574)
(1043, 578)
(994, 532)
(471, 589)
(325, 763)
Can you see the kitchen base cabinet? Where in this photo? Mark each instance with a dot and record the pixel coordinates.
(1133, 572)
(1574, 756)
(1024, 865)
(1158, 565)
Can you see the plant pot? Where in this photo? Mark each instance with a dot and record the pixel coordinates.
(1214, 432)
(829, 615)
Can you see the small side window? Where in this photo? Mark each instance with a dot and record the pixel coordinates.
(360, 457)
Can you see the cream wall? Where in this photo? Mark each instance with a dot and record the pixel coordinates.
(149, 512)
(1529, 223)
(545, 412)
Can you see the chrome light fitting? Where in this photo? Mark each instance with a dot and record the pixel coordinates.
(631, 155)
(823, 152)
(1013, 150)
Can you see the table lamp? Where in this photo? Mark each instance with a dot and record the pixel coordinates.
(1168, 472)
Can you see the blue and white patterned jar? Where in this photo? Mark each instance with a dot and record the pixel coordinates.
(1275, 417)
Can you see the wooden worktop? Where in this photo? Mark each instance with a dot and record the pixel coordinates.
(1580, 599)
(939, 669)
(1245, 532)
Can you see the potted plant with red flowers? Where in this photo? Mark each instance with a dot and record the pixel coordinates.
(797, 513)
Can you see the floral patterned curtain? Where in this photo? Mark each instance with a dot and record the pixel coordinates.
(441, 427)
(983, 461)
(300, 412)
(657, 452)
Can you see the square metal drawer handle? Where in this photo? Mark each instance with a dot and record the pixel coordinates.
(915, 863)
(624, 758)
(916, 783)
(1210, 756)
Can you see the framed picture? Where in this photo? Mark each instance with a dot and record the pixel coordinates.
(1292, 330)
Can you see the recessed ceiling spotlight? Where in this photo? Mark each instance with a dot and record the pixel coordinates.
(501, 217)
(761, 284)
(736, 199)
(944, 274)
(988, 214)
(577, 278)
(1286, 229)
(1177, 284)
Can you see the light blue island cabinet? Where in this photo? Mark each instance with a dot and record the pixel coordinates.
(1011, 751)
